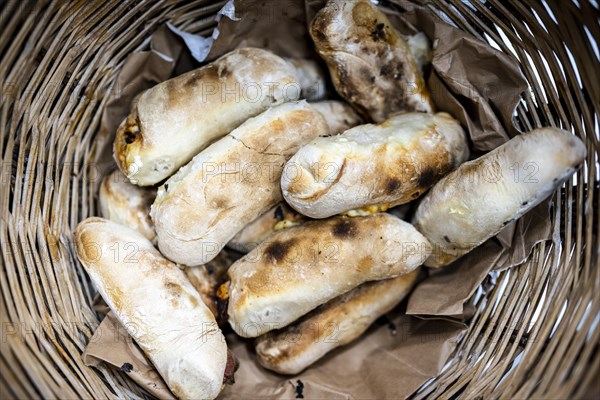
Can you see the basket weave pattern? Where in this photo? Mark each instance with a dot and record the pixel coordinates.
(535, 334)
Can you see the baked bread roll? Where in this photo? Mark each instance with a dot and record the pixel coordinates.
(339, 115)
(175, 119)
(373, 166)
(311, 78)
(127, 204)
(231, 183)
(157, 305)
(302, 267)
(279, 217)
(370, 63)
(334, 324)
(207, 278)
(482, 196)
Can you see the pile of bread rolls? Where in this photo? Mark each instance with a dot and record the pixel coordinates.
(231, 155)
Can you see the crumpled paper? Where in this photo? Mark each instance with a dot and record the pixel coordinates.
(112, 344)
(475, 83)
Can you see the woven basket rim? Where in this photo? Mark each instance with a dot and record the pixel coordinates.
(52, 53)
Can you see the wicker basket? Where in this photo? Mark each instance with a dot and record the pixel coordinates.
(57, 55)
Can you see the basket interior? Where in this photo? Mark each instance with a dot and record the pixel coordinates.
(535, 330)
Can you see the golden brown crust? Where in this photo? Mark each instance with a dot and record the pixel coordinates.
(174, 120)
(299, 268)
(334, 324)
(482, 196)
(231, 183)
(378, 166)
(370, 63)
(152, 298)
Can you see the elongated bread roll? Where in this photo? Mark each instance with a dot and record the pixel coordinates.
(334, 324)
(127, 204)
(208, 277)
(175, 119)
(339, 115)
(231, 183)
(373, 165)
(302, 267)
(482, 196)
(311, 78)
(280, 216)
(157, 305)
(370, 63)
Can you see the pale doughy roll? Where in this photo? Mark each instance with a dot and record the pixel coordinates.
(279, 217)
(370, 63)
(231, 183)
(207, 278)
(338, 114)
(175, 119)
(311, 78)
(334, 324)
(482, 196)
(127, 204)
(157, 305)
(302, 267)
(374, 166)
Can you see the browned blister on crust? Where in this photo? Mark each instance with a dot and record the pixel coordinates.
(299, 268)
(334, 324)
(370, 63)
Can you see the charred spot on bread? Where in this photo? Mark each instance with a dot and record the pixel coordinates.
(223, 71)
(378, 32)
(277, 251)
(386, 70)
(427, 177)
(319, 35)
(130, 131)
(209, 72)
(391, 185)
(344, 229)
(366, 75)
(130, 135)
